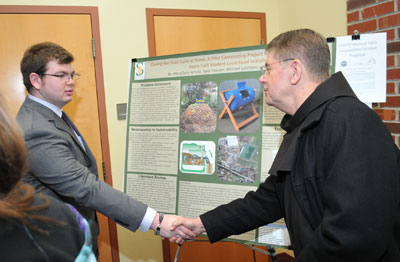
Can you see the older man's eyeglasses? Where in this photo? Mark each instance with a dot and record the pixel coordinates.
(267, 67)
(65, 77)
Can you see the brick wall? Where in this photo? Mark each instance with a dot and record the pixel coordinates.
(368, 16)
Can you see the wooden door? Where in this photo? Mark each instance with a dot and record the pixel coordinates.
(73, 32)
(175, 31)
(180, 31)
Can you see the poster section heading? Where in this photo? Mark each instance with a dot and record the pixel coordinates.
(231, 62)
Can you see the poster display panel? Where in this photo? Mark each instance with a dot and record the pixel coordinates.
(200, 135)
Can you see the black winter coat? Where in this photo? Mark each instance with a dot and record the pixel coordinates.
(335, 180)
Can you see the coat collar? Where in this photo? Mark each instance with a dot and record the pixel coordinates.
(51, 106)
(309, 113)
(335, 86)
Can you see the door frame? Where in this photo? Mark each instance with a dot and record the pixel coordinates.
(153, 12)
(94, 15)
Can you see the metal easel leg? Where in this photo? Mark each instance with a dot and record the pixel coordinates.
(271, 251)
(177, 252)
(254, 254)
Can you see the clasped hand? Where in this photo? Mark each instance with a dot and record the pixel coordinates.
(179, 229)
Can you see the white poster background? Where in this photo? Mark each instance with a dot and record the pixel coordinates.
(363, 63)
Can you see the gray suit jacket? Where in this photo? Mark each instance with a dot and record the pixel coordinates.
(61, 168)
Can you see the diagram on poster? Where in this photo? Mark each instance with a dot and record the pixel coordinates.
(197, 157)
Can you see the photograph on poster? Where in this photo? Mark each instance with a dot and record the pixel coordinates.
(238, 159)
(198, 107)
(239, 106)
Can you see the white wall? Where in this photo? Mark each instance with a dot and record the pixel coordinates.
(329, 17)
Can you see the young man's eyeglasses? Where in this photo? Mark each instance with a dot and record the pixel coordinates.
(65, 77)
(267, 67)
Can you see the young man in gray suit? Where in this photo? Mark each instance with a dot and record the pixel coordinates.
(61, 164)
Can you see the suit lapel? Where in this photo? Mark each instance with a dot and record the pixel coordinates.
(85, 147)
(60, 124)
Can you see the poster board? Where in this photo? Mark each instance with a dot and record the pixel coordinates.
(184, 154)
(187, 151)
(362, 60)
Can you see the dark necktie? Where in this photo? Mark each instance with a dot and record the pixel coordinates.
(69, 123)
(66, 120)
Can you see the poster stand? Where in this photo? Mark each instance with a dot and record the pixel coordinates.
(271, 250)
(157, 132)
(214, 83)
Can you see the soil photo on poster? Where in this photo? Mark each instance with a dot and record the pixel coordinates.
(199, 107)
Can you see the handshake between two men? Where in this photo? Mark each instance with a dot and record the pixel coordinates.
(176, 228)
